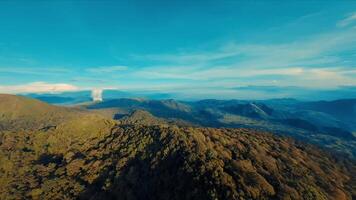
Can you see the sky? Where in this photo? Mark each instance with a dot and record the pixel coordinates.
(207, 49)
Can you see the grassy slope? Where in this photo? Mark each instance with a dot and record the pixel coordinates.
(21, 113)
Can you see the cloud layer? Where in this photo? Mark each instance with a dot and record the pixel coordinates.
(37, 87)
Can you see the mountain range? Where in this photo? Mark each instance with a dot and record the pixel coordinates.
(329, 124)
(247, 92)
(164, 149)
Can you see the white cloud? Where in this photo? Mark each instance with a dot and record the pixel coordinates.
(35, 71)
(198, 73)
(322, 60)
(37, 87)
(350, 19)
(303, 51)
(107, 69)
(229, 76)
(325, 78)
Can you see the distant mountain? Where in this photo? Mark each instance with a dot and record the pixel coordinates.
(303, 120)
(115, 94)
(160, 108)
(87, 156)
(249, 110)
(343, 109)
(64, 98)
(301, 93)
(78, 97)
(140, 117)
(211, 112)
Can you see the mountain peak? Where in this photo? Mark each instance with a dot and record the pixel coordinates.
(141, 117)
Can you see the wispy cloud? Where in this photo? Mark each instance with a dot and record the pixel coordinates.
(350, 19)
(322, 60)
(89, 80)
(199, 73)
(37, 87)
(188, 57)
(229, 77)
(312, 61)
(304, 50)
(34, 70)
(107, 69)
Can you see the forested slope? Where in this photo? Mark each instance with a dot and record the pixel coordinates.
(90, 157)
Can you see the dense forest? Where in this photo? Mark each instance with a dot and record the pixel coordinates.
(88, 156)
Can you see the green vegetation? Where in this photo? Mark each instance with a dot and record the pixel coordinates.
(317, 124)
(20, 113)
(87, 156)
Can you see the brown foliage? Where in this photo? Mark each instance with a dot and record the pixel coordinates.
(168, 162)
(89, 157)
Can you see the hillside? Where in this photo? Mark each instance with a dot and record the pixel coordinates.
(344, 109)
(22, 113)
(90, 157)
(142, 118)
(280, 116)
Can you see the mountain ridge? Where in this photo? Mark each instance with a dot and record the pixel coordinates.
(284, 117)
(92, 157)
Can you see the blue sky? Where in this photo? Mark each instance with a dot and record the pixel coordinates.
(197, 48)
